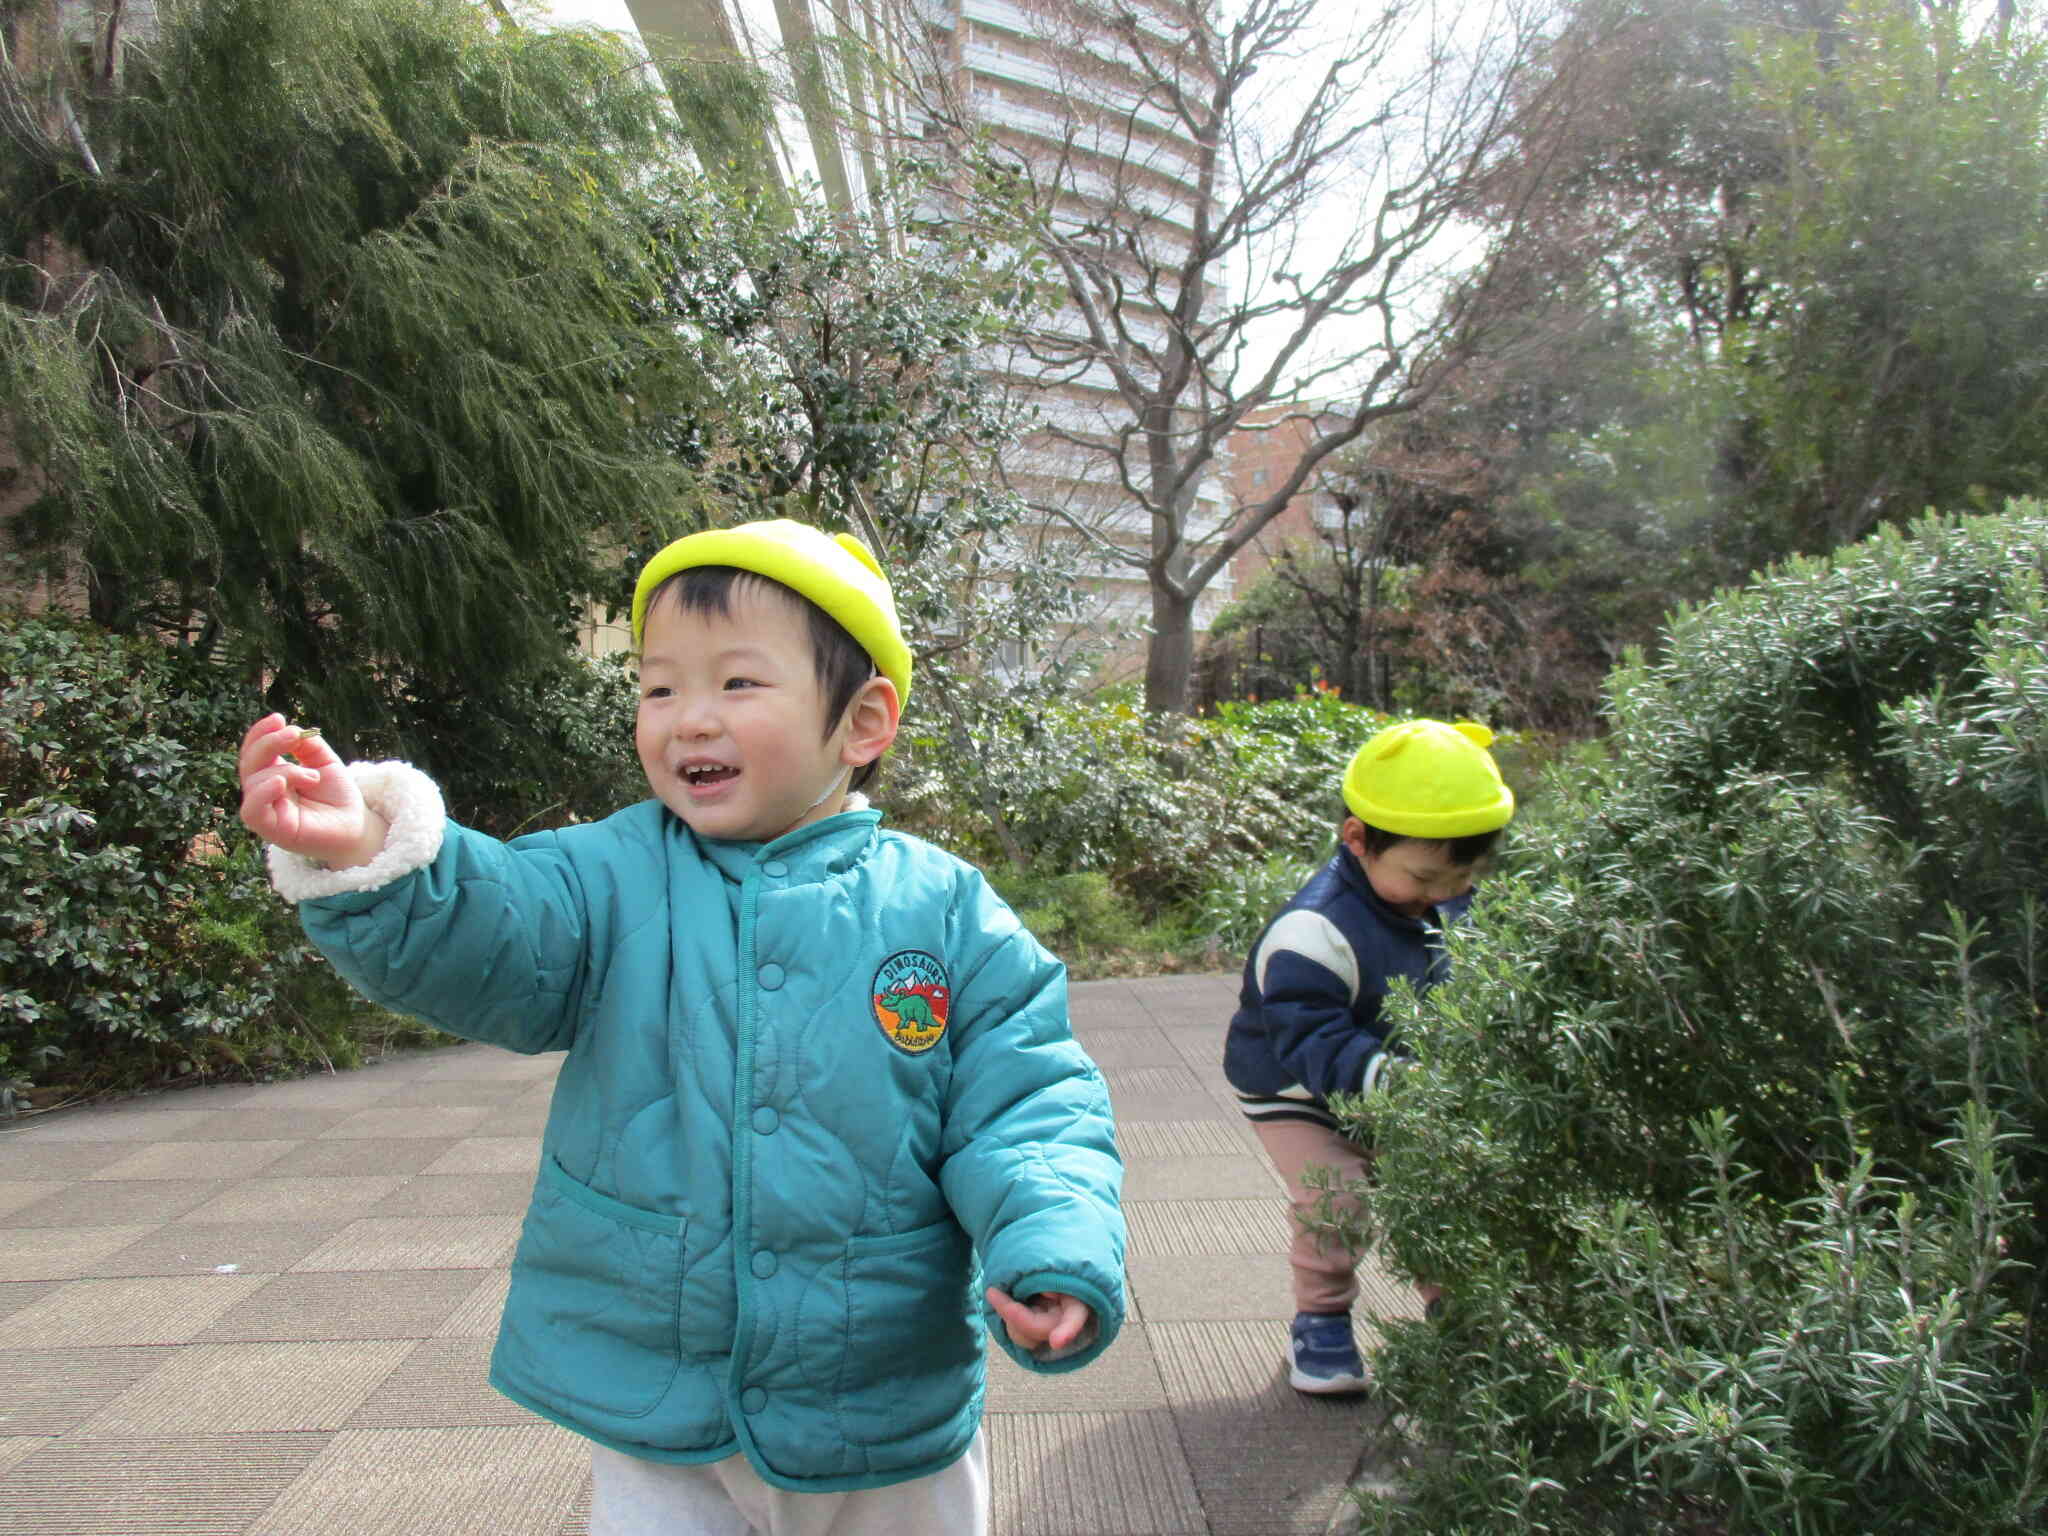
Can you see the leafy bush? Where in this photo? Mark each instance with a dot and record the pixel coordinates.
(1164, 805)
(138, 934)
(546, 748)
(1729, 1136)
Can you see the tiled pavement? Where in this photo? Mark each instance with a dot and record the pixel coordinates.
(267, 1310)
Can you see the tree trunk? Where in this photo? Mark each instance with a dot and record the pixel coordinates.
(1170, 657)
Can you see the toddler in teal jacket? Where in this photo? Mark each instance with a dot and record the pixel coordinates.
(818, 1078)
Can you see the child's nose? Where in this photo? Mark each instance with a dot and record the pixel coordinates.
(697, 718)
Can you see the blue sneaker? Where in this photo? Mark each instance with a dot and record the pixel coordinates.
(1324, 1359)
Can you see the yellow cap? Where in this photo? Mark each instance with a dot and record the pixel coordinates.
(835, 571)
(1423, 778)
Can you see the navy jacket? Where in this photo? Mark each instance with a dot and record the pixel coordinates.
(1308, 1018)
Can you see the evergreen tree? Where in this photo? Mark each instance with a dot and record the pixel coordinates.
(333, 335)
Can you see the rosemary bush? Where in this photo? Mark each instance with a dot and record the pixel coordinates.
(1727, 1136)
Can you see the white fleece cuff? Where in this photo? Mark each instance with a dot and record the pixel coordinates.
(405, 798)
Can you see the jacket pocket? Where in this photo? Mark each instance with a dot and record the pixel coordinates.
(593, 1309)
(913, 1340)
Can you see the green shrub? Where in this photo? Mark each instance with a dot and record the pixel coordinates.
(138, 934)
(547, 748)
(1729, 1136)
(1164, 805)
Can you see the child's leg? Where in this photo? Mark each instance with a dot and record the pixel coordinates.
(631, 1497)
(1323, 1278)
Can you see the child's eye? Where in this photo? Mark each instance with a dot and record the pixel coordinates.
(658, 691)
(732, 683)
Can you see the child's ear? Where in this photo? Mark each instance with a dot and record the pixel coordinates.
(871, 721)
(1352, 836)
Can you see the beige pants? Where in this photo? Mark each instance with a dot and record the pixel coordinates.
(631, 1497)
(1323, 1278)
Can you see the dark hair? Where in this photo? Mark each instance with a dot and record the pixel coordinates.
(1458, 850)
(839, 660)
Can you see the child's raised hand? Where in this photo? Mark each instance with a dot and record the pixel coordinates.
(1051, 1319)
(297, 794)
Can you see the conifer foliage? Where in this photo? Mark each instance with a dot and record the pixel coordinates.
(1729, 1137)
(332, 333)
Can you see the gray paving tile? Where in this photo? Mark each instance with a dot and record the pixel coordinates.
(1197, 1227)
(16, 1193)
(489, 1154)
(444, 1382)
(1192, 1178)
(50, 1391)
(454, 1093)
(1143, 1045)
(477, 1317)
(291, 1200)
(382, 1124)
(115, 1203)
(410, 1304)
(192, 1096)
(55, 1253)
(1240, 1366)
(247, 1389)
(471, 1194)
(199, 1486)
(1123, 1379)
(1152, 1082)
(1208, 1137)
(16, 1294)
(29, 1154)
(526, 1116)
(1090, 1001)
(436, 1482)
(259, 1122)
(419, 1242)
(1090, 1474)
(102, 1124)
(486, 1063)
(1136, 1108)
(349, 1159)
(577, 1521)
(84, 1313)
(1104, 1019)
(343, 1091)
(169, 1160)
(1209, 1287)
(220, 1248)
(1274, 1476)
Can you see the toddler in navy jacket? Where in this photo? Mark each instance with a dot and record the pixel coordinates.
(1424, 803)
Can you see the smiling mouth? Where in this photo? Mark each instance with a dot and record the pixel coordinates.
(708, 774)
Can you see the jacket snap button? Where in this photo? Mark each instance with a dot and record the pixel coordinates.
(764, 1264)
(753, 1400)
(771, 976)
(776, 868)
(765, 1121)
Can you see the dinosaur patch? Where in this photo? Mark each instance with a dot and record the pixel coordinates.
(911, 1000)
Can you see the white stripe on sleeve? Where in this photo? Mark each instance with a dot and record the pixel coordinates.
(1313, 937)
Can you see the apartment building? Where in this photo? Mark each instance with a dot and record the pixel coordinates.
(1063, 101)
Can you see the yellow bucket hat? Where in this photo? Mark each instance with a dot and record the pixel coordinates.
(1426, 779)
(835, 571)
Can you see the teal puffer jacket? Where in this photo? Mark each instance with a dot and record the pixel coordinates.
(808, 1084)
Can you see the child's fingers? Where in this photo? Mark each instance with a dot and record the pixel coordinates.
(261, 746)
(1073, 1316)
(1022, 1323)
(310, 748)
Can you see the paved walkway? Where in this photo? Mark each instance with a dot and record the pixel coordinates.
(267, 1310)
